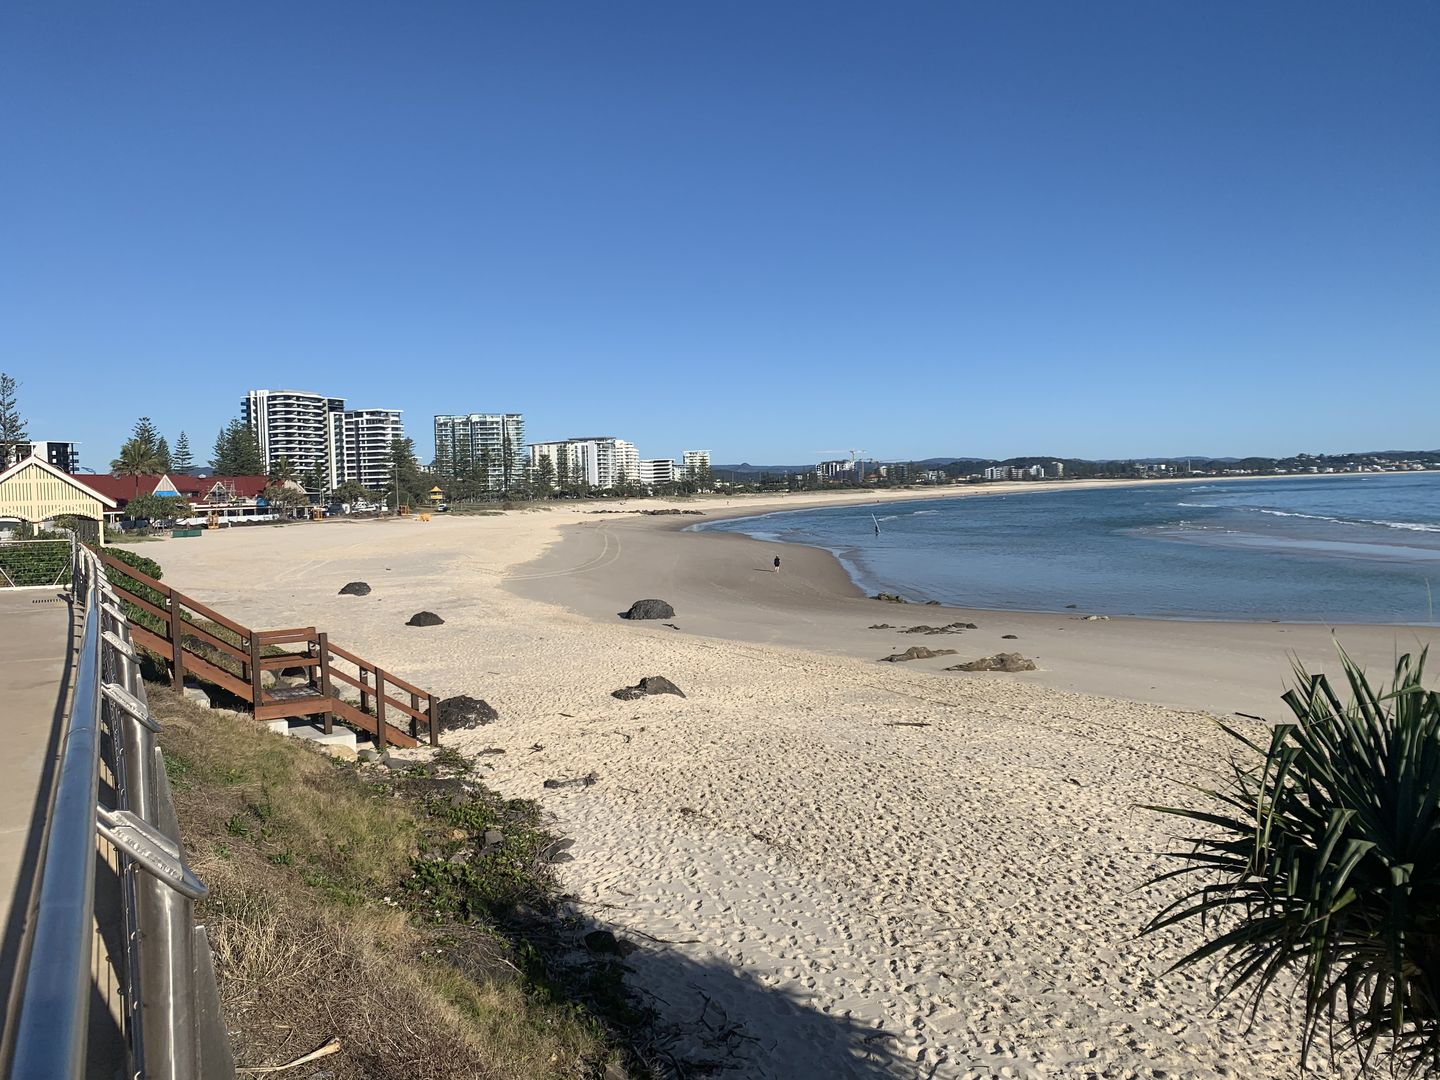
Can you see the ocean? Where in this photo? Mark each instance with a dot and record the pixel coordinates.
(1342, 549)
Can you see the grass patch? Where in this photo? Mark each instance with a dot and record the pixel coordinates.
(410, 913)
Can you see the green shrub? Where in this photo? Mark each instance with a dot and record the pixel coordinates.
(36, 563)
(148, 567)
(1319, 859)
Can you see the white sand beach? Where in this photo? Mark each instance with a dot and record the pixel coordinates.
(830, 866)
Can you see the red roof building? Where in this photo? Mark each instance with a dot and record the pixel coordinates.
(197, 489)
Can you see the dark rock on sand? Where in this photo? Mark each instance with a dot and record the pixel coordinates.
(465, 712)
(1009, 637)
(425, 618)
(649, 609)
(881, 626)
(651, 684)
(948, 628)
(932, 603)
(588, 780)
(1005, 661)
(890, 598)
(916, 652)
(355, 588)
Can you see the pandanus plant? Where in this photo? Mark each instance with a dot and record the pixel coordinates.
(1317, 863)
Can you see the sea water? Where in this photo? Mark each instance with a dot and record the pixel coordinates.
(1343, 549)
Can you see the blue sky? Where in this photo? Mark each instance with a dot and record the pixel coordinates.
(767, 229)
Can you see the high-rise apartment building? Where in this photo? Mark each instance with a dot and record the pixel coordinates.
(657, 471)
(598, 462)
(695, 463)
(304, 428)
(309, 429)
(367, 454)
(63, 455)
(489, 447)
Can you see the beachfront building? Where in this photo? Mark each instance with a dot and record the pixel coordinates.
(695, 463)
(486, 447)
(304, 428)
(224, 500)
(63, 455)
(657, 471)
(834, 470)
(598, 462)
(366, 447)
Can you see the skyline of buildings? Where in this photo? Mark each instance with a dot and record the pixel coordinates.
(316, 431)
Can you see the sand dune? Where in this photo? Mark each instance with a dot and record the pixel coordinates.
(818, 887)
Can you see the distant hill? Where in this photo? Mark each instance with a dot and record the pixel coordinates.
(746, 469)
(959, 465)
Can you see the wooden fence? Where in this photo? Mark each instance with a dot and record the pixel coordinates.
(198, 641)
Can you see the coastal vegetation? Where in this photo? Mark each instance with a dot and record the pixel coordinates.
(236, 451)
(406, 912)
(14, 441)
(1317, 860)
(145, 453)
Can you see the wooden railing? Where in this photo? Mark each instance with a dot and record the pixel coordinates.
(198, 641)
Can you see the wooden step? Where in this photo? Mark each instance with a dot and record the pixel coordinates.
(365, 722)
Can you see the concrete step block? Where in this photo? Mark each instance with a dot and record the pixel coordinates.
(339, 737)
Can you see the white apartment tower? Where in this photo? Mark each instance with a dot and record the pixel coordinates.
(307, 429)
(367, 452)
(492, 444)
(657, 471)
(599, 462)
(302, 427)
(695, 463)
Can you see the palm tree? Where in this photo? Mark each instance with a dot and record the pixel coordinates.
(1320, 857)
(282, 471)
(137, 458)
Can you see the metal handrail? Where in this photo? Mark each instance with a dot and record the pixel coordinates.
(172, 1024)
(50, 1035)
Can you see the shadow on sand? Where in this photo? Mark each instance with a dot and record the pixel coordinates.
(710, 1019)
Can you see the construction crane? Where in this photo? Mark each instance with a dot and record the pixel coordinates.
(857, 462)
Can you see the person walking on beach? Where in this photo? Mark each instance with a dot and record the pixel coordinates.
(777, 564)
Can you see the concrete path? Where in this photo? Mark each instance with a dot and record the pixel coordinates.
(35, 655)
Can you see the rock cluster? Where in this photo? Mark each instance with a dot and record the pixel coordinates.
(916, 652)
(1005, 661)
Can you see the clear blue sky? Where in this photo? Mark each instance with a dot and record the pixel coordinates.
(769, 229)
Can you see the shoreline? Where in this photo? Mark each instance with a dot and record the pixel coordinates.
(1035, 487)
(721, 589)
